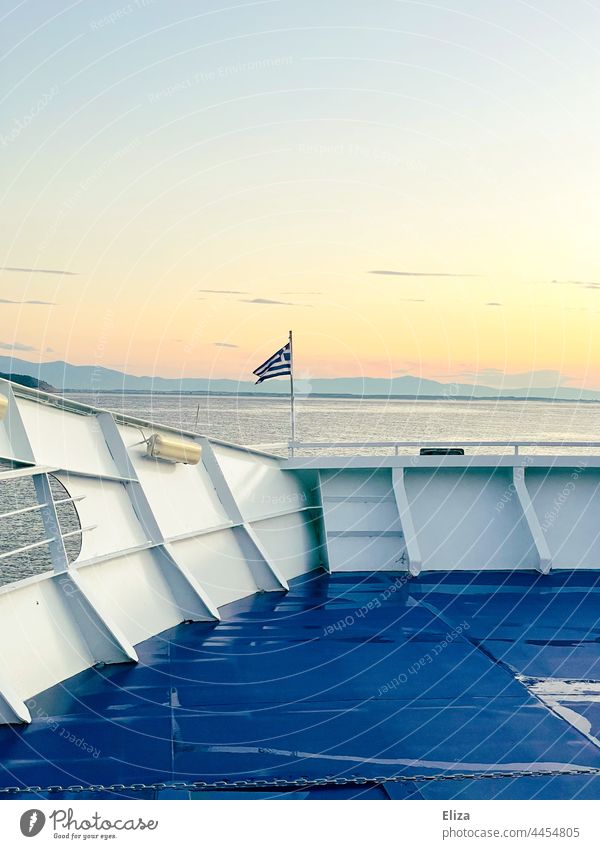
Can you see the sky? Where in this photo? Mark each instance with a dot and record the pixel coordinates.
(412, 187)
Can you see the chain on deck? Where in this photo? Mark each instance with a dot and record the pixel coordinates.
(297, 783)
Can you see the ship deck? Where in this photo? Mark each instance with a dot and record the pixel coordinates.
(349, 685)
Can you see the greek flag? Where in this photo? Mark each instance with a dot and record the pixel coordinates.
(276, 366)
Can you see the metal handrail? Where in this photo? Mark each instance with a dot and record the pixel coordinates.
(46, 541)
(29, 547)
(40, 506)
(449, 443)
(78, 531)
(26, 472)
(70, 500)
(22, 510)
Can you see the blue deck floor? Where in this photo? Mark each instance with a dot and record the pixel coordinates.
(346, 676)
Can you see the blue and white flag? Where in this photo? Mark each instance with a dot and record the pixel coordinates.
(278, 365)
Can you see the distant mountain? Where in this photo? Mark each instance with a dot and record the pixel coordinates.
(99, 379)
(27, 380)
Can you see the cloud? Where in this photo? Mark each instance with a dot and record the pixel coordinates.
(225, 345)
(38, 270)
(302, 293)
(223, 291)
(16, 346)
(268, 301)
(585, 284)
(493, 304)
(8, 301)
(421, 273)
(414, 300)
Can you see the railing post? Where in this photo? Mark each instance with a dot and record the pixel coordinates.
(264, 571)
(533, 523)
(410, 537)
(53, 531)
(191, 598)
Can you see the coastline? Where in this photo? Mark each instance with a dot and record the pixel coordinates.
(329, 396)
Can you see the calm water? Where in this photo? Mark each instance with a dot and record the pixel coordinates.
(264, 423)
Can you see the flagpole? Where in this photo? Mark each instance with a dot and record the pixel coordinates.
(292, 409)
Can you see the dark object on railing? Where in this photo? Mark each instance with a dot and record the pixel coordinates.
(428, 452)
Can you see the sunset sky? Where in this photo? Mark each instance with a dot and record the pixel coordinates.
(184, 182)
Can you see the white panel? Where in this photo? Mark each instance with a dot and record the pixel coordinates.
(216, 561)
(469, 519)
(567, 504)
(366, 554)
(40, 643)
(107, 505)
(361, 521)
(291, 543)
(258, 485)
(359, 483)
(181, 497)
(135, 593)
(65, 439)
(362, 516)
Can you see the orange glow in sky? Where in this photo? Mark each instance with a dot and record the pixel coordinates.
(211, 181)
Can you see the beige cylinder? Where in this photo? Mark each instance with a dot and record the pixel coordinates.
(3, 406)
(176, 450)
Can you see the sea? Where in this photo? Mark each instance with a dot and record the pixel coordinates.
(264, 423)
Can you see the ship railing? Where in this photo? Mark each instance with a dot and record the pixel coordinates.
(47, 541)
(34, 472)
(404, 446)
(35, 507)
